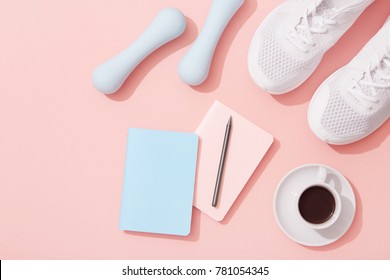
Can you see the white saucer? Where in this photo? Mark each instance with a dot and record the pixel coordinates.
(289, 220)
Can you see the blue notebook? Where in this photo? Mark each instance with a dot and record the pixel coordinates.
(159, 180)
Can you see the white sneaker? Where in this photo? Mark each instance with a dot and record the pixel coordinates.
(355, 100)
(291, 41)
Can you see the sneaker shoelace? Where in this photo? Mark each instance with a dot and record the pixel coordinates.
(311, 23)
(381, 68)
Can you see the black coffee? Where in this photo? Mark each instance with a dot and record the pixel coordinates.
(316, 205)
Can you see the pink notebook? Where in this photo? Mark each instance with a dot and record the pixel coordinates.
(248, 144)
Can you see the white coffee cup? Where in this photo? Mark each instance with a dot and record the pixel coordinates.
(318, 202)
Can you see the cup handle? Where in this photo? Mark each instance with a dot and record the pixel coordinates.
(322, 174)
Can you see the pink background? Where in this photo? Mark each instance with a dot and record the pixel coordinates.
(62, 143)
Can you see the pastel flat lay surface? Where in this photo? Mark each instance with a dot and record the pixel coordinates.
(63, 143)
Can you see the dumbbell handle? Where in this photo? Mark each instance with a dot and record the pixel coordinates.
(166, 26)
(194, 66)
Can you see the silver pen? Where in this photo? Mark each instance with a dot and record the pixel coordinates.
(222, 162)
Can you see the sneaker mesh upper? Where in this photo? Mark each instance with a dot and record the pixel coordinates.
(342, 120)
(275, 62)
(281, 58)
